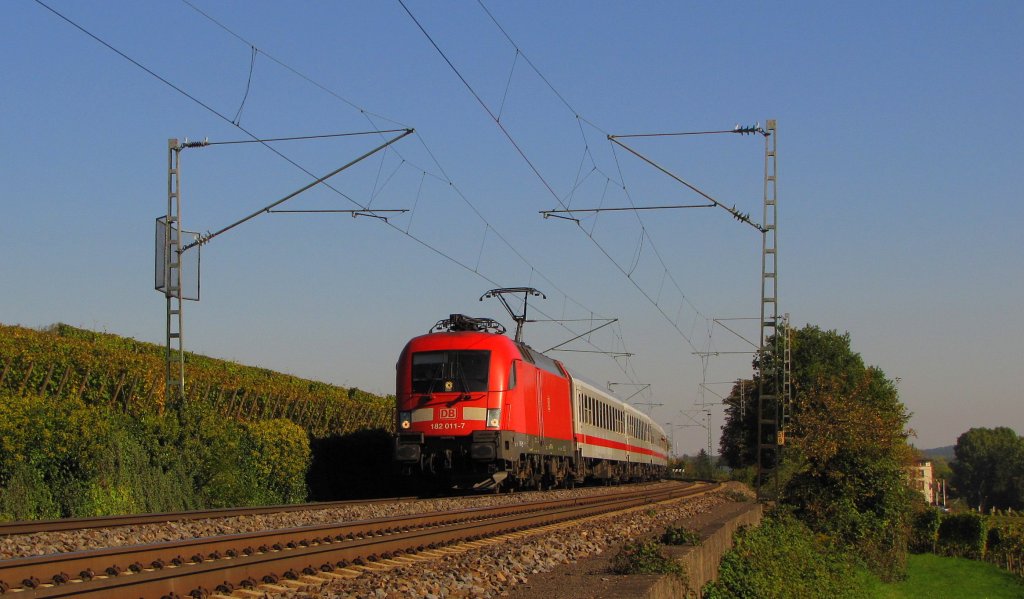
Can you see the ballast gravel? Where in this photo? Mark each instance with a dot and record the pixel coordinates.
(490, 571)
(45, 543)
(495, 570)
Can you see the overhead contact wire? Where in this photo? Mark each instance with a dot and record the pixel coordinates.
(581, 119)
(264, 142)
(369, 115)
(522, 153)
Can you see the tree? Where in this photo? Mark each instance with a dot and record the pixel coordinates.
(737, 445)
(702, 466)
(989, 468)
(941, 469)
(815, 354)
(851, 479)
(846, 449)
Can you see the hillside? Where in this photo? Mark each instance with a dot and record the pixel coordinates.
(105, 368)
(945, 452)
(84, 431)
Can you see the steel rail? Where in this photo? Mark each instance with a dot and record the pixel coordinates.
(122, 559)
(231, 560)
(21, 527)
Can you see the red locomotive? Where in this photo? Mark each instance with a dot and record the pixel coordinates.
(476, 409)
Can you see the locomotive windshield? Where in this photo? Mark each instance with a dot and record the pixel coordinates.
(450, 371)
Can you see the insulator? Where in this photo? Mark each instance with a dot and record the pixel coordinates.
(195, 144)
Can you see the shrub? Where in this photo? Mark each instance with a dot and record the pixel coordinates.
(645, 557)
(862, 505)
(278, 452)
(738, 496)
(137, 475)
(783, 559)
(962, 535)
(25, 495)
(49, 449)
(678, 535)
(924, 530)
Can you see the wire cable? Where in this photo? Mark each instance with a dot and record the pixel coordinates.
(530, 163)
(265, 142)
(248, 84)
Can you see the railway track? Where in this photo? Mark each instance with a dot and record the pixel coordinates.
(34, 526)
(275, 560)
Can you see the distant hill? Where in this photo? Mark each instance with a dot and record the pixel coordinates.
(940, 452)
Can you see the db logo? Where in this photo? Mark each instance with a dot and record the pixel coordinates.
(446, 413)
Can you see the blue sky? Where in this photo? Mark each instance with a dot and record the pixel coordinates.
(899, 150)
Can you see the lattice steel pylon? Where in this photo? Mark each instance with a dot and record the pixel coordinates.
(787, 374)
(770, 436)
(173, 291)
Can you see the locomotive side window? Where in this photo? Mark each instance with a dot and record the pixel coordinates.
(450, 371)
(511, 376)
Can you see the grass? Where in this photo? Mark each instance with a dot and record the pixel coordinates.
(934, 577)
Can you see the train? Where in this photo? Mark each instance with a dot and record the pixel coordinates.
(476, 409)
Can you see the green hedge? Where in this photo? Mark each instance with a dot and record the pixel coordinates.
(924, 530)
(962, 535)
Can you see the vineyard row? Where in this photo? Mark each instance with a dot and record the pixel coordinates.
(136, 393)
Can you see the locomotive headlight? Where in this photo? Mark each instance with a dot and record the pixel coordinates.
(493, 417)
(405, 419)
